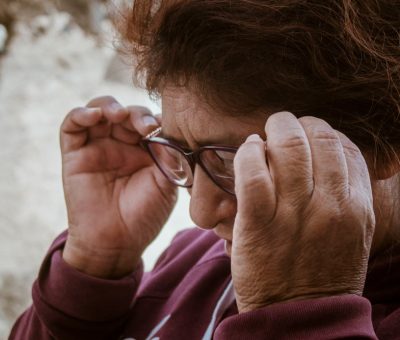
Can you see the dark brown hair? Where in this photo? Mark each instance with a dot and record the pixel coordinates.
(338, 60)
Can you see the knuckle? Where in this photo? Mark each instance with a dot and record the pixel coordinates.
(103, 100)
(283, 114)
(76, 110)
(344, 139)
(257, 178)
(325, 136)
(108, 98)
(71, 113)
(245, 154)
(237, 161)
(327, 140)
(293, 141)
(333, 190)
(140, 110)
(242, 152)
(252, 182)
(353, 151)
(311, 120)
(253, 179)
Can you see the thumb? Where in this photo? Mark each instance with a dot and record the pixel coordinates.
(253, 183)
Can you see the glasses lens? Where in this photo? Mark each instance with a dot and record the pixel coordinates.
(219, 164)
(172, 163)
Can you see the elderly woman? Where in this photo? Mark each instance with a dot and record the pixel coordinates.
(283, 119)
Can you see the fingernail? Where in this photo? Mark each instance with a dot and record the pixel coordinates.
(253, 138)
(149, 121)
(92, 110)
(115, 107)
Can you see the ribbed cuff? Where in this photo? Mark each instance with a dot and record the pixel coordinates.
(75, 294)
(335, 317)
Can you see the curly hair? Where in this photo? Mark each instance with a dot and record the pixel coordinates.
(338, 60)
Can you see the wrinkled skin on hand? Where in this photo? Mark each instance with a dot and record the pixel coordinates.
(305, 217)
(117, 200)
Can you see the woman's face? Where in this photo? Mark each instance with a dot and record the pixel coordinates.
(192, 124)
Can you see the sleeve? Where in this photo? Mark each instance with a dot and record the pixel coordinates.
(68, 304)
(336, 317)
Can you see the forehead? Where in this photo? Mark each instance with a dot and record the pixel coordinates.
(188, 119)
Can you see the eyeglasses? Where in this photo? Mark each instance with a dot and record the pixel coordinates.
(178, 163)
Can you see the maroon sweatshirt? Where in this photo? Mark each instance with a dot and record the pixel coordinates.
(189, 295)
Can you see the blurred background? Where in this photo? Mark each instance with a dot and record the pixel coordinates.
(54, 55)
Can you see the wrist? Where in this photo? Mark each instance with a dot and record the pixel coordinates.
(101, 263)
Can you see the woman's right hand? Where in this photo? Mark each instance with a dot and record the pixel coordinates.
(117, 200)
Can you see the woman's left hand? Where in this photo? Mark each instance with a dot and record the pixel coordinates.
(305, 217)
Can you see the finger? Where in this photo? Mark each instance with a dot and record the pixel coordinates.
(113, 111)
(74, 129)
(101, 130)
(124, 135)
(289, 156)
(138, 122)
(253, 183)
(142, 120)
(328, 159)
(101, 101)
(357, 168)
(158, 117)
(137, 119)
(127, 123)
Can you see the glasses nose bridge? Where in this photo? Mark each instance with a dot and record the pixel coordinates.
(193, 158)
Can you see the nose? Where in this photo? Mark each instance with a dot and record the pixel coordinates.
(210, 205)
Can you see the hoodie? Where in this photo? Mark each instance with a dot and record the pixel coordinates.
(189, 295)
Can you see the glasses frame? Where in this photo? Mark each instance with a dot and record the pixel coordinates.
(192, 157)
